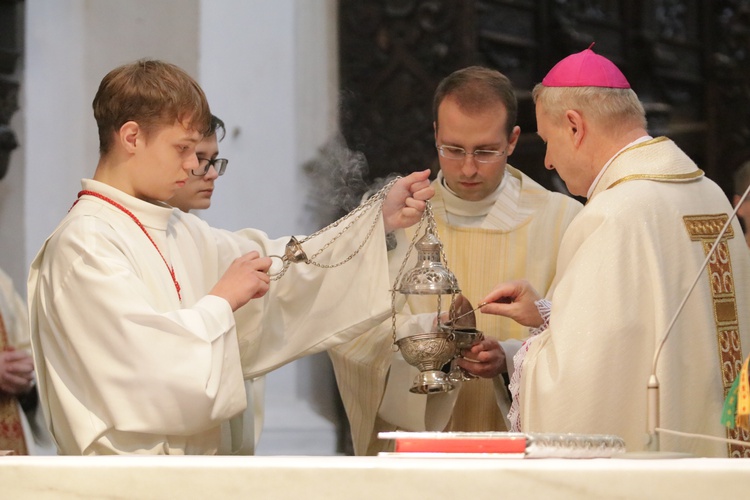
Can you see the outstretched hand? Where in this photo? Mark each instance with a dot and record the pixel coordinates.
(514, 300)
(405, 202)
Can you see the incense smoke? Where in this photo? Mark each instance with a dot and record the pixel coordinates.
(338, 179)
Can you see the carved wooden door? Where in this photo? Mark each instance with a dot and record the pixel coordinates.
(688, 60)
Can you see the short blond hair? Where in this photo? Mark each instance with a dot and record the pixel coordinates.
(151, 93)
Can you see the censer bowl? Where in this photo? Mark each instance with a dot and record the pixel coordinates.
(466, 337)
(429, 352)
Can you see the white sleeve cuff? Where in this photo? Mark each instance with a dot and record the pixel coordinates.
(544, 307)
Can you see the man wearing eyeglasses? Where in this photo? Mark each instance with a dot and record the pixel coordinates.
(197, 191)
(495, 223)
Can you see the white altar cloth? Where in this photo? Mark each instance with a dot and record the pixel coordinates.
(376, 478)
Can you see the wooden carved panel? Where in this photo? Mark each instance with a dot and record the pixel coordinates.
(687, 60)
(729, 88)
(393, 53)
(10, 51)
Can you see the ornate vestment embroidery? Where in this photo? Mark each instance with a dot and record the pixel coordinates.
(705, 229)
(11, 430)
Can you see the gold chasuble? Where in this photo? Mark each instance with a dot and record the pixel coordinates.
(518, 238)
(11, 429)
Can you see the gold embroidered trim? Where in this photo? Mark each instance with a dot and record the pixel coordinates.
(659, 177)
(639, 145)
(654, 177)
(705, 229)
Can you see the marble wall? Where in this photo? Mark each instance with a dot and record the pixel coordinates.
(269, 70)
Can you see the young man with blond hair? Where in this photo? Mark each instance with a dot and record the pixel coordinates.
(146, 322)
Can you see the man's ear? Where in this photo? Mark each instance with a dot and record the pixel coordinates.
(513, 139)
(576, 126)
(129, 135)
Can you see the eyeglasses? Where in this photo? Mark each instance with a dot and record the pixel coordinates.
(219, 164)
(480, 155)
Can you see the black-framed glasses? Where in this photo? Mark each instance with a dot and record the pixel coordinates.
(219, 164)
(480, 155)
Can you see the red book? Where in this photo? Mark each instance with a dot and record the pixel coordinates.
(457, 442)
(503, 444)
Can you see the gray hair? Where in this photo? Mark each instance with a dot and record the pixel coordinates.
(608, 107)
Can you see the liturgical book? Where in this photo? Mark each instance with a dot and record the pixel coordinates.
(503, 444)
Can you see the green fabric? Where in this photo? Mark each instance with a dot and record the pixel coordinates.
(730, 404)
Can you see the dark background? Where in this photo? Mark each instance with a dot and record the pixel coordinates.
(689, 62)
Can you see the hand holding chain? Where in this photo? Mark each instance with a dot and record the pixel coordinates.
(295, 253)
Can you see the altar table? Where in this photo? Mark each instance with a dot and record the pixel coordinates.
(369, 478)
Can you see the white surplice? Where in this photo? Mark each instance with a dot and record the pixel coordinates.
(125, 366)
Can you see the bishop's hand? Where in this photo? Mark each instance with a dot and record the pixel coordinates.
(514, 300)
